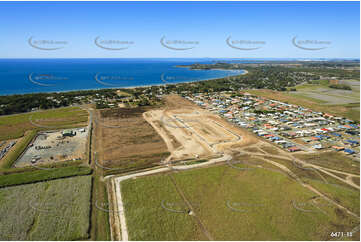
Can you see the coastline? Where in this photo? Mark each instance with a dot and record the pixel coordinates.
(210, 79)
(244, 72)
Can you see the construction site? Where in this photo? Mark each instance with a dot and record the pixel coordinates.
(196, 138)
(194, 133)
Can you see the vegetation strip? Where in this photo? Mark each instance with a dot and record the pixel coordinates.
(42, 175)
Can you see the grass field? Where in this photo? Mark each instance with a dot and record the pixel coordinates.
(100, 230)
(148, 220)
(344, 110)
(349, 197)
(14, 126)
(53, 210)
(333, 160)
(231, 204)
(325, 184)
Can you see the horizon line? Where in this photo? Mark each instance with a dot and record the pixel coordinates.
(240, 58)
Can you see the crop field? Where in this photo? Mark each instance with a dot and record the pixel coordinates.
(127, 140)
(14, 126)
(53, 210)
(227, 202)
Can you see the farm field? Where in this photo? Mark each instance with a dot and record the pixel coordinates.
(14, 126)
(228, 203)
(52, 210)
(126, 140)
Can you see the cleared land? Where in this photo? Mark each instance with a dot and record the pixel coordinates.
(126, 140)
(199, 133)
(53, 210)
(229, 204)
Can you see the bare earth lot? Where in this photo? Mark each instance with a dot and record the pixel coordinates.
(126, 140)
(200, 133)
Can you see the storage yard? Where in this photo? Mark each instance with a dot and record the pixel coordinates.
(291, 127)
(55, 146)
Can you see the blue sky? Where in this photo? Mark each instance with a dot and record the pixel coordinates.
(139, 26)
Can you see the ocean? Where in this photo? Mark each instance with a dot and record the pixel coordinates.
(21, 76)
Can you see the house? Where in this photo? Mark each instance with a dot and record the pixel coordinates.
(351, 132)
(275, 138)
(294, 149)
(352, 142)
(317, 146)
(307, 140)
(280, 141)
(288, 145)
(338, 148)
(349, 151)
